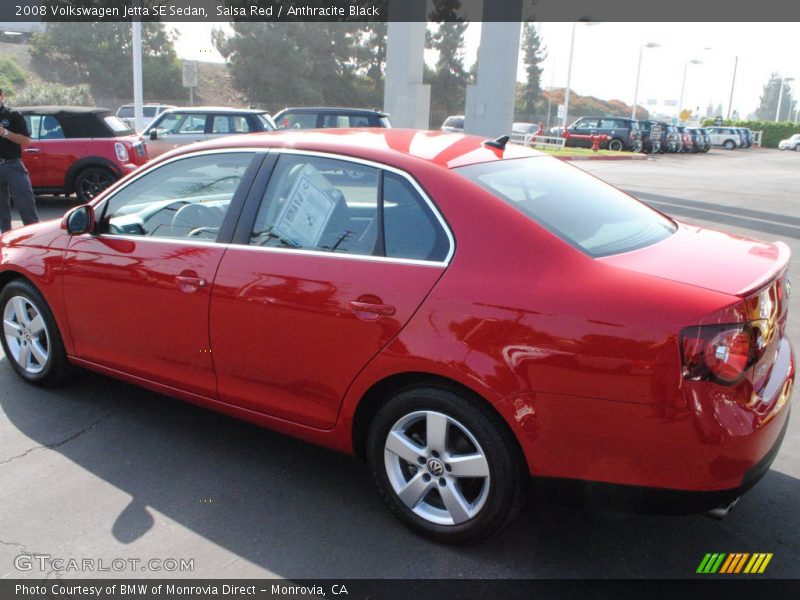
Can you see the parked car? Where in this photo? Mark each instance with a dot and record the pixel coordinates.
(747, 137)
(793, 143)
(523, 133)
(326, 118)
(178, 126)
(687, 139)
(651, 143)
(453, 124)
(623, 134)
(78, 150)
(726, 137)
(674, 140)
(150, 111)
(698, 138)
(707, 138)
(380, 316)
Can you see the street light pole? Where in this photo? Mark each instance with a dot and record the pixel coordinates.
(569, 76)
(638, 73)
(780, 97)
(733, 83)
(694, 61)
(569, 70)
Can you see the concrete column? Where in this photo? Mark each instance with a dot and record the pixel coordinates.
(405, 97)
(490, 102)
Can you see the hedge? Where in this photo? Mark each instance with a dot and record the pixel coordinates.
(772, 134)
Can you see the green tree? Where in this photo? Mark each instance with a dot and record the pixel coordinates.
(534, 53)
(290, 64)
(449, 79)
(769, 100)
(101, 54)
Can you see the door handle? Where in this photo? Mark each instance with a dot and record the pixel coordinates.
(190, 284)
(31, 150)
(370, 311)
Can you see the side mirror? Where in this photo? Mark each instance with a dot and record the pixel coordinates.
(79, 220)
(154, 134)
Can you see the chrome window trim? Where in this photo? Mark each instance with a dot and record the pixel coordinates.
(407, 176)
(300, 251)
(271, 150)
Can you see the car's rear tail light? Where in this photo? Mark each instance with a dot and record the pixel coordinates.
(721, 353)
(122, 152)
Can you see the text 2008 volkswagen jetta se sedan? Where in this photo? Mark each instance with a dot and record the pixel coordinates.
(463, 314)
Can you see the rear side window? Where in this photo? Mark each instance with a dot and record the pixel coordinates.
(585, 212)
(332, 205)
(410, 228)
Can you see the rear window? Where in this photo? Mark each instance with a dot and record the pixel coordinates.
(585, 212)
(117, 125)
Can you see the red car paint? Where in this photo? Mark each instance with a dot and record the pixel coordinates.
(580, 356)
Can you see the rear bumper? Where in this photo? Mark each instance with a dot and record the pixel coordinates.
(718, 441)
(653, 499)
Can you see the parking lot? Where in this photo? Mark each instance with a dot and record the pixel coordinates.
(103, 470)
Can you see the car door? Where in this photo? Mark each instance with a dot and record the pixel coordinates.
(175, 129)
(325, 270)
(32, 156)
(137, 290)
(585, 126)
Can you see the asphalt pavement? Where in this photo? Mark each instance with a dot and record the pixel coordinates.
(105, 471)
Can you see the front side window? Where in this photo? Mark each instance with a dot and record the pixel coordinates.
(297, 121)
(184, 199)
(585, 212)
(587, 124)
(51, 129)
(182, 123)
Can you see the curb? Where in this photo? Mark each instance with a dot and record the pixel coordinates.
(604, 157)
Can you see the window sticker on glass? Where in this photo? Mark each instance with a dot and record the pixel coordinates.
(308, 209)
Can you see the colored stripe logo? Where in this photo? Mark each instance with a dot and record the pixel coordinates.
(734, 563)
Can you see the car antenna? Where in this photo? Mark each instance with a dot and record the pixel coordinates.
(499, 143)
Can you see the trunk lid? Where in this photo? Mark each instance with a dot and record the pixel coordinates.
(710, 259)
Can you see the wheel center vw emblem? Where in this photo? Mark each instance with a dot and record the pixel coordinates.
(435, 467)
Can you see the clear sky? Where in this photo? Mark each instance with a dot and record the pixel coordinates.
(606, 54)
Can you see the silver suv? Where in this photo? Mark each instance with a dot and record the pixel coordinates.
(178, 126)
(728, 137)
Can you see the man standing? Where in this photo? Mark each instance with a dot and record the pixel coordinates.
(14, 136)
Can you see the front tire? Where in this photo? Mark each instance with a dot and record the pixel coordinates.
(91, 181)
(446, 465)
(616, 145)
(31, 340)
(730, 145)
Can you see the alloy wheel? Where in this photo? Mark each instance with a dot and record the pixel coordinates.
(437, 468)
(26, 335)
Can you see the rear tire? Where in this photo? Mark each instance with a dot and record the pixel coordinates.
(31, 340)
(616, 145)
(446, 465)
(729, 145)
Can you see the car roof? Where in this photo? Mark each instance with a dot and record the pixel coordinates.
(402, 148)
(54, 110)
(333, 109)
(216, 109)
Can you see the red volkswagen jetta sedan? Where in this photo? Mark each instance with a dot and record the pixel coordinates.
(465, 315)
